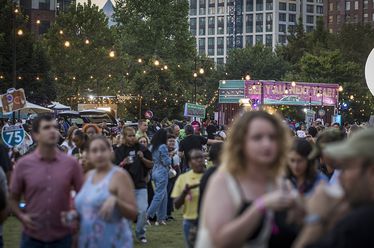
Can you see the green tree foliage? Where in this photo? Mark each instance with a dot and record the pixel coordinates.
(259, 62)
(334, 58)
(158, 31)
(31, 60)
(85, 67)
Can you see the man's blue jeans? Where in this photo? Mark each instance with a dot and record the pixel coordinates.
(142, 203)
(160, 176)
(187, 226)
(28, 242)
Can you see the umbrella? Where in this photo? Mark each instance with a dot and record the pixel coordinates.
(31, 108)
(58, 106)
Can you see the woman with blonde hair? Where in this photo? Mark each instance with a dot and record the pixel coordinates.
(241, 198)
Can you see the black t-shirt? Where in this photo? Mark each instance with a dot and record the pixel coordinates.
(353, 231)
(204, 183)
(191, 142)
(137, 170)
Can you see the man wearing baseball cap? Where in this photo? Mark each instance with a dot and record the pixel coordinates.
(355, 158)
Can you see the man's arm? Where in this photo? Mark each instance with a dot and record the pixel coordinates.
(308, 235)
(213, 141)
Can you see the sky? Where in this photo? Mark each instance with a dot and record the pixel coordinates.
(99, 3)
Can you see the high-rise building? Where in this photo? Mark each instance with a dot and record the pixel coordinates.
(339, 12)
(42, 13)
(220, 25)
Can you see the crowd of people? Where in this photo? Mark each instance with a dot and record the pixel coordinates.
(262, 182)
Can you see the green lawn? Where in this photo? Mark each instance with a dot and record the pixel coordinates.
(158, 236)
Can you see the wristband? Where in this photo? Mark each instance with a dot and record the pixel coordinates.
(260, 205)
(312, 219)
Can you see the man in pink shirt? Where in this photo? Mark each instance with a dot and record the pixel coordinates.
(44, 178)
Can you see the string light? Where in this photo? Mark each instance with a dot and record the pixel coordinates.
(38, 21)
(61, 32)
(67, 44)
(112, 54)
(293, 83)
(20, 32)
(157, 63)
(87, 41)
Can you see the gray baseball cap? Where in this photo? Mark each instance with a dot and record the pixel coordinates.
(359, 145)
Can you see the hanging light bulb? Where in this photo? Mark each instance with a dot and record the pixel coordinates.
(293, 83)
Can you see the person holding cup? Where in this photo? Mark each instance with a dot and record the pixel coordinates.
(355, 158)
(137, 160)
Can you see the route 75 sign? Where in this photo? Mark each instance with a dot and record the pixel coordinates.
(13, 135)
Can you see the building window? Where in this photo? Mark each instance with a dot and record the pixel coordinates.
(282, 39)
(259, 23)
(249, 40)
(319, 9)
(44, 4)
(269, 40)
(211, 25)
(338, 6)
(239, 41)
(249, 23)
(309, 29)
(239, 27)
(269, 4)
(229, 42)
(356, 5)
(220, 61)
(229, 25)
(282, 17)
(366, 2)
(210, 46)
(269, 22)
(193, 26)
(292, 6)
(259, 5)
(212, 7)
(193, 7)
(202, 26)
(331, 6)
(331, 19)
(282, 28)
(249, 5)
(292, 18)
(202, 7)
(282, 6)
(259, 39)
(310, 1)
(338, 19)
(347, 5)
(202, 46)
(220, 25)
(220, 45)
(310, 19)
(309, 8)
(44, 26)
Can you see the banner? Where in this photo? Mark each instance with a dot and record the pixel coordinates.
(286, 93)
(194, 110)
(13, 100)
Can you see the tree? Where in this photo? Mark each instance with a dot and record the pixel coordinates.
(296, 46)
(32, 64)
(259, 62)
(82, 52)
(157, 31)
(355, 41)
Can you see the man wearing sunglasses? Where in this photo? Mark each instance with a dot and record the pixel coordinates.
(186, 193)
(44, 178)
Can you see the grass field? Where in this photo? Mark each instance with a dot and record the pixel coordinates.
(169, 236)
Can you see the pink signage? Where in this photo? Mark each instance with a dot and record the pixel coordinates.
(287, 93)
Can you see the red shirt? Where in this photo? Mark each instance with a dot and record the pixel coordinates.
(46, 186)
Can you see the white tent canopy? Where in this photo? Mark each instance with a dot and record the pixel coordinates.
(58, 106)
(30, 108)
